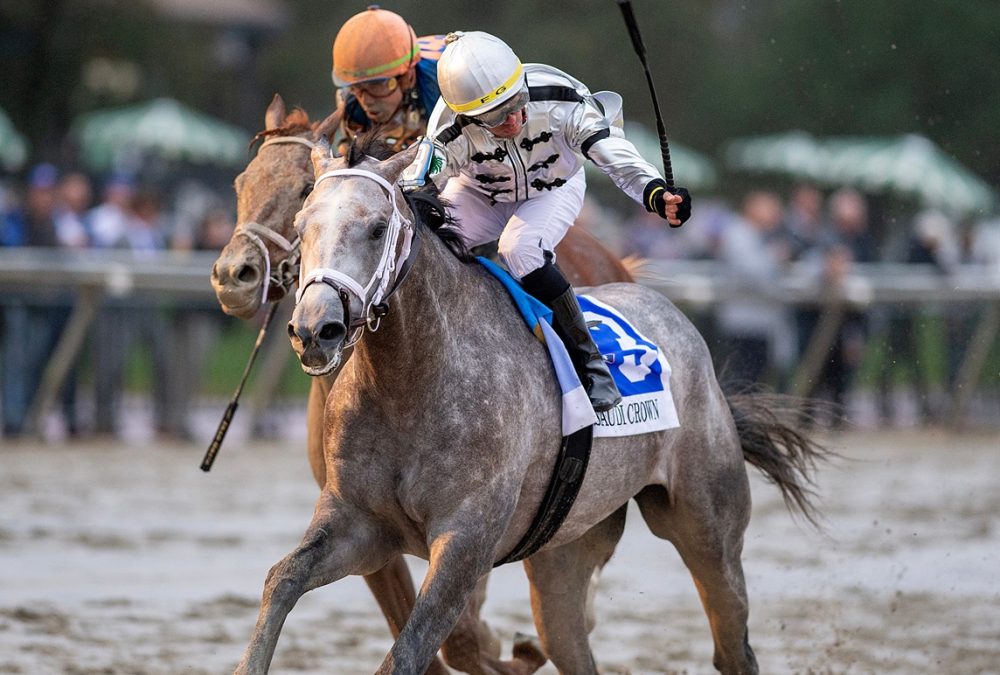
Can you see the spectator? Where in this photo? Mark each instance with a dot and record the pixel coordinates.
(9, 219)
(701, 237)
(147, 229)
(215, 230)
(754, 330)
(850, 243)
(931, 243)
(849, 219)
(33, 324)
(35, 224)
(193, 332)
(647, 237)
(72, 220)
(805, 225)
(109, 221)
(137, 226)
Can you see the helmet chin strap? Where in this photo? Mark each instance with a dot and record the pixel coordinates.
(374, 292)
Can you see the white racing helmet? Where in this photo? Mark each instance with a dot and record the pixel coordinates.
(480, 76)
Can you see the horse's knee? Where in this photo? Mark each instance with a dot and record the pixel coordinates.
(285, 580)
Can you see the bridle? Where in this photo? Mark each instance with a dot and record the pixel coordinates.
(375, 306)
(286, 271)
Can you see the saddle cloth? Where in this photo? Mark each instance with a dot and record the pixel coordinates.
(641, 372)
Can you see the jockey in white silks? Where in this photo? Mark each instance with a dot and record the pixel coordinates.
(507, 142)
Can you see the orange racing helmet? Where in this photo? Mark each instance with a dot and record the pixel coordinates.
(373, 45)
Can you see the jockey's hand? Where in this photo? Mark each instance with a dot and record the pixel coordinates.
(674, 207)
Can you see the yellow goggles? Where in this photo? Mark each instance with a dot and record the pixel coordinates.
(376, 88)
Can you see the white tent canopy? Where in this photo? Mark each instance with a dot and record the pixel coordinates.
(163, 128)
(907, 164)
(13, 146)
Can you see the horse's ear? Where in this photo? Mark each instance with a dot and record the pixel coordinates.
(275, 114)
(321, 154)
(392, 167)
(328, 126)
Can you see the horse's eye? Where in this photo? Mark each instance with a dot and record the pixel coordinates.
(379, 231)
(306, 190)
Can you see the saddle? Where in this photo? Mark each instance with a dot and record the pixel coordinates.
(641, 374)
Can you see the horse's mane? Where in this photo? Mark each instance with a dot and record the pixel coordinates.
(428, 208)
(433, 212)
(369, 144)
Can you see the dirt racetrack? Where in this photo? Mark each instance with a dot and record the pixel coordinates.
(128, 559)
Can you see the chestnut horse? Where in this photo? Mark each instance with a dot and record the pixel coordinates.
(259, 265)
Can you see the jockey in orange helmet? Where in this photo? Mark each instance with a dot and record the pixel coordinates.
(386, 75)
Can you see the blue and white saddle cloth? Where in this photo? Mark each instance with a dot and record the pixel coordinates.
(638, 366)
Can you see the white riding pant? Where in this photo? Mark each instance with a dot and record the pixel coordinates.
(525, 229)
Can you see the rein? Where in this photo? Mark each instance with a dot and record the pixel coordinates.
(285, 271)
(375, 307)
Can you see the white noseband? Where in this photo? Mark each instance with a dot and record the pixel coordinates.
(384, 271)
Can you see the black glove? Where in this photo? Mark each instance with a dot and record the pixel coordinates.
(652, 198)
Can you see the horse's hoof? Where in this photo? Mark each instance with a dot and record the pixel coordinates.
(528, 649)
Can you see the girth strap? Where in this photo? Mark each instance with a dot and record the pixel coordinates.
(570, 469)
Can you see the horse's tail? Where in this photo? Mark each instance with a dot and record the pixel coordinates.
(769, 429)
(639, 268)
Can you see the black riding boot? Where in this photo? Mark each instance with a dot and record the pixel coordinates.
(550, 286)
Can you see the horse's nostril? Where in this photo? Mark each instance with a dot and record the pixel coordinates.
(332, 331)
(246, 274)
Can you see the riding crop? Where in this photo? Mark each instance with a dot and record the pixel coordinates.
(640, 49)
(227, 417)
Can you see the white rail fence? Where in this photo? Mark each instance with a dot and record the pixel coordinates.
(90, 277)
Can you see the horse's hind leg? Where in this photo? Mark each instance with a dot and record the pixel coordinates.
(707, 531)
(560, 579)
(336, 544)
(473, 648)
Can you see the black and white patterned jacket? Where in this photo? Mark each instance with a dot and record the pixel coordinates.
(565, 123)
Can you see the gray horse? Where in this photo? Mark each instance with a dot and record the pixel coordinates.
(257, 266)
(442, 430)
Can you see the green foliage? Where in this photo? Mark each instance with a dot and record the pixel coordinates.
(723, 68)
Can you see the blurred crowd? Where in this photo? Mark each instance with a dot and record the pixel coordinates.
(755, 341)
(823, 235)
(62, 210)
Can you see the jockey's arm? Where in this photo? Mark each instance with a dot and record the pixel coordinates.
(589, 132)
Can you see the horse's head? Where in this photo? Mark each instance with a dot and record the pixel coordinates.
(355, 230)
(258, 264)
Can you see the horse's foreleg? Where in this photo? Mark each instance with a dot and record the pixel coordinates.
(458, 558)
(337, 543)
(560, 580)
(318, 391)
(393, 588)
